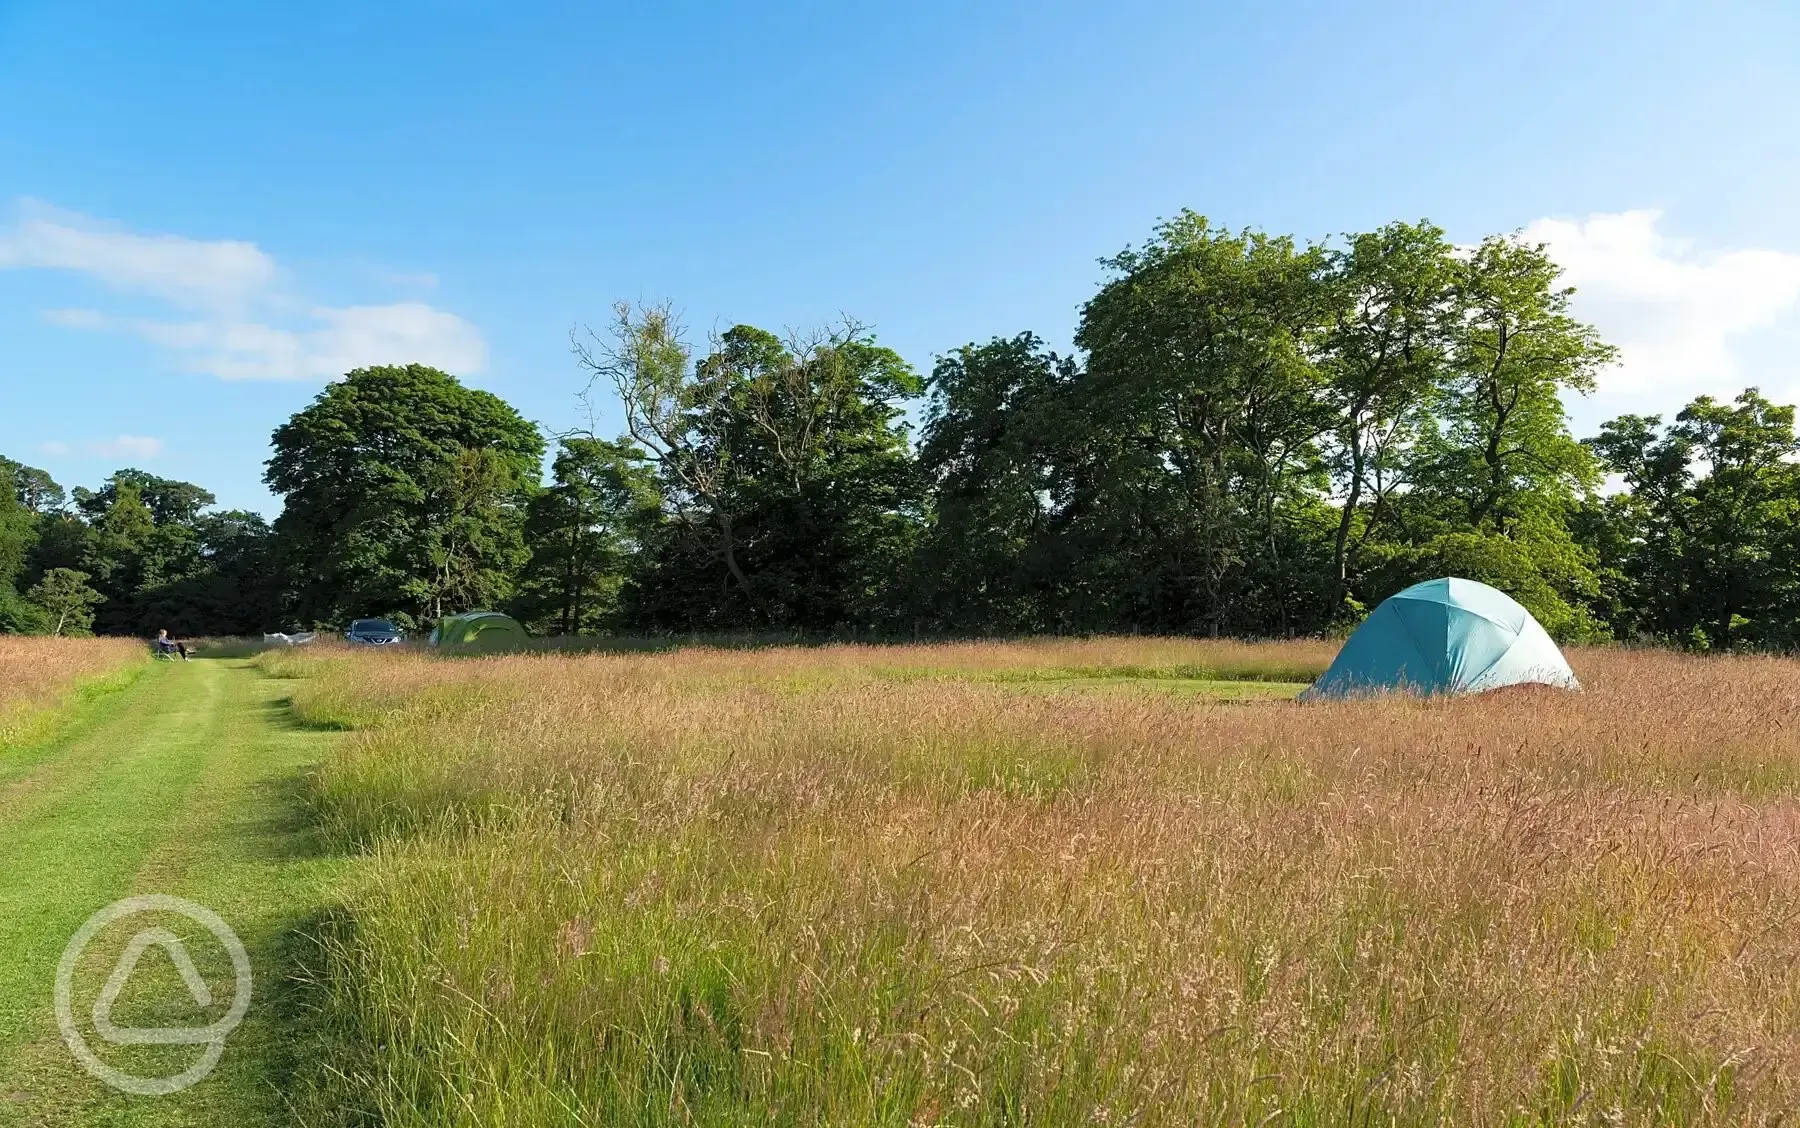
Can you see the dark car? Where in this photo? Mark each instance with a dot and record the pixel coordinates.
(373, 632)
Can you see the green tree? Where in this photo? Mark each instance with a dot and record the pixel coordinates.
(159, 560)
(1504, 453)
(476, 543)
(147, 546)
(1384, 353)
(990, 452)
(585, 532)
(1203, 386)
(66, 602)
(224, 582)
(1707, 536)
(1492, 477)
(19, 615)
(1550, 577)
(170, 502)
(792, 497)
(404, 493)
(35, 489)
(19, 536)
(18, 532)
(62, 542)
(119, 557)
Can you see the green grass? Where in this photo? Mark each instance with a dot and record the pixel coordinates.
(186, 781)
(1219, 673)
(27, 734)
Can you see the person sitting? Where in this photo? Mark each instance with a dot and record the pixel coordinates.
(167, 647)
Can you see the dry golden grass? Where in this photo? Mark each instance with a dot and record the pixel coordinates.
(842, 886)
(38, 672)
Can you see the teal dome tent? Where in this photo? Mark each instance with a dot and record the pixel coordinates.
(1444, 636)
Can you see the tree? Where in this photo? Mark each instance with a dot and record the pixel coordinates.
(19, 615)
(119, 555)
(783, 463)
(145, 547)
(18, 539)
(35, 489)
(1504, 452)
(159, 560)
(66, 600)
(62, 542)
(1383, 353)
(1706, 537)
(170, 502)
(226, 581)
(404, 494)
(18, 532)
(1549, 578)
(1255, 435)
(1202, 377)
(475, 537)
(1488, 479)
(585, 532)
(990, 455)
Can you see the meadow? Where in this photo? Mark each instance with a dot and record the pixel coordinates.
(37, 674)
(1017, 884)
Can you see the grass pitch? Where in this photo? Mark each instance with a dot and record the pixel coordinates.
(1009, 884)
(1054, 883)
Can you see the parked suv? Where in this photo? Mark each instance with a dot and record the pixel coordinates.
(373, 632)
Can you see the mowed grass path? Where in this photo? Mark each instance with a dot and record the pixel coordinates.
(186, 782)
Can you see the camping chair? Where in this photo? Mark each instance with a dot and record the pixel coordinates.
(163, 649)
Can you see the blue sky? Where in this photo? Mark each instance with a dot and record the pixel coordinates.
(207, 210)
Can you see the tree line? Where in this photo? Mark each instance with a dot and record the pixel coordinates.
(1255, 436)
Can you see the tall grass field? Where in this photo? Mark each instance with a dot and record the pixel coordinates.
(1050, 884)
(39, 673)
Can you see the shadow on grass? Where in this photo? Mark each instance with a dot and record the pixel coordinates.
(281, 714)
(304, 1004)
(290, 831)
(307, 1003)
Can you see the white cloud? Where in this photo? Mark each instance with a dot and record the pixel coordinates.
(385, 334)
(77, 318)
(127, 446)
(1680, 317)
(338, 340)
(223, 274)
(244, 328)
(124, 446)
(405, 279)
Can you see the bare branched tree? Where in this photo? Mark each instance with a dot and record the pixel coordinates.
(793, 404)
(675, 413)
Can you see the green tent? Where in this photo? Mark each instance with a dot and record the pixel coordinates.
(1445, 636)
(478, 630)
